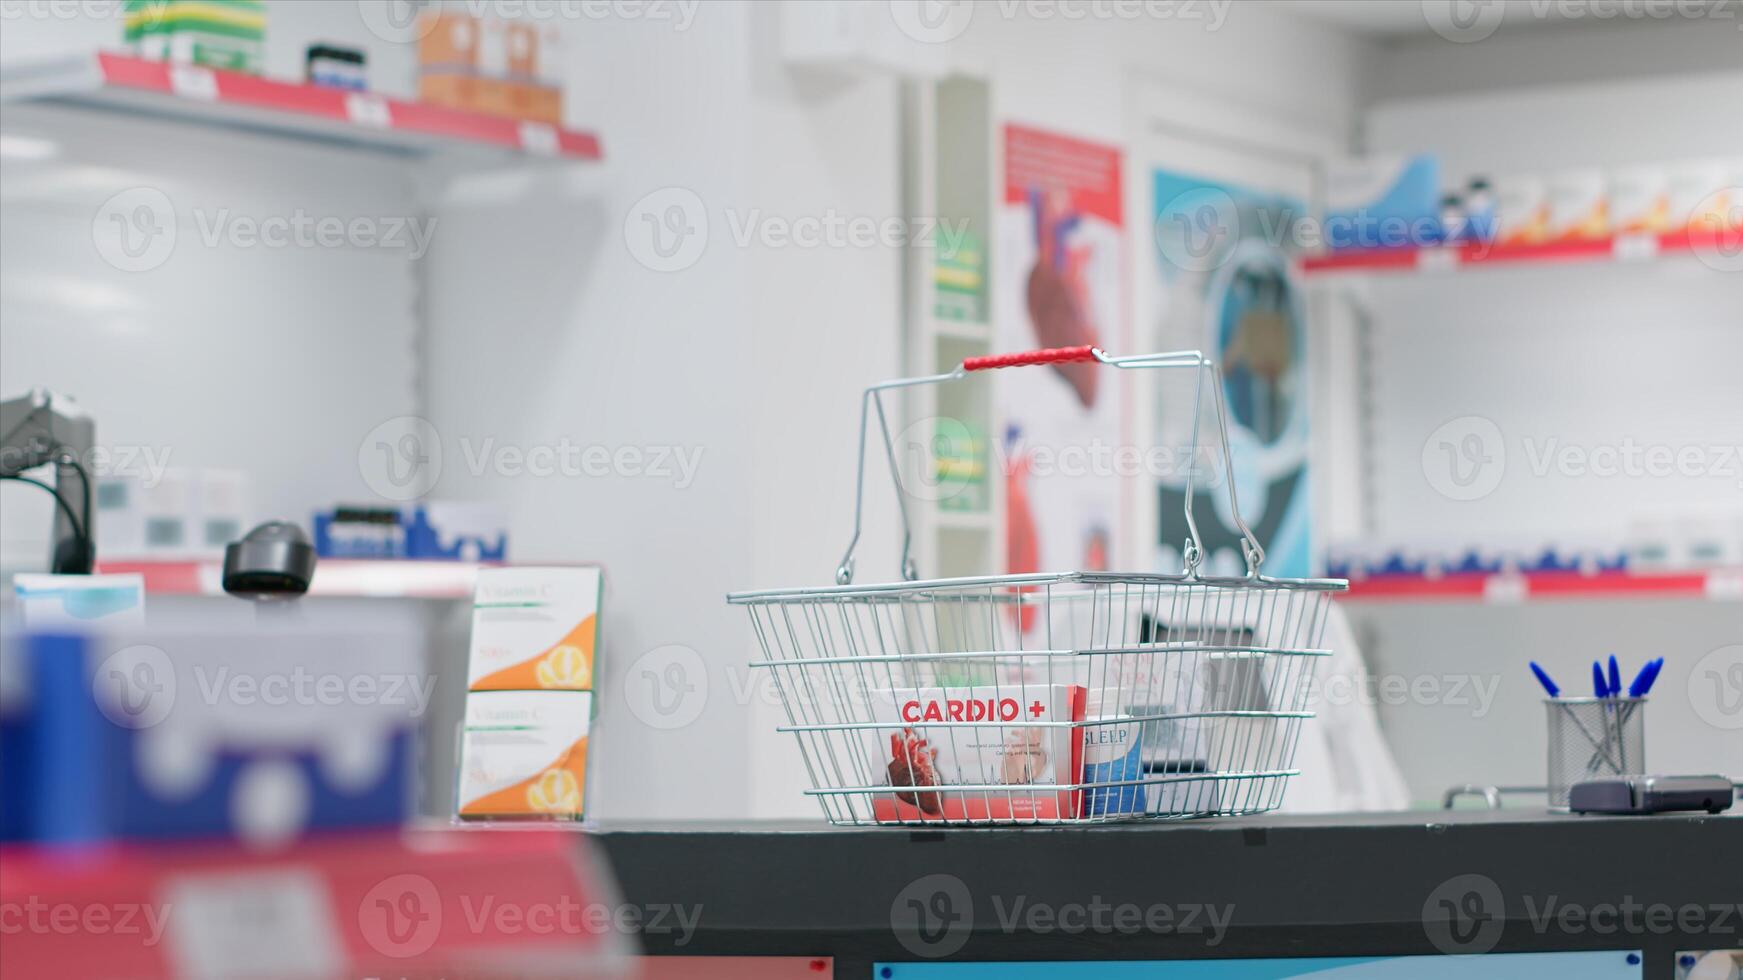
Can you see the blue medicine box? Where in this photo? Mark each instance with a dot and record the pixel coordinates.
(129, 736)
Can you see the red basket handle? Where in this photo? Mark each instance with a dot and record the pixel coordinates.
(1048, 355)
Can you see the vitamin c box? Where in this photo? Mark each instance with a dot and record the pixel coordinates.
(523, 754)
(534, 629)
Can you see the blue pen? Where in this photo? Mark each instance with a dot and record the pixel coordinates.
(1598, 684)
(1543, 678)
(1656, 666)
(1615, 678)
(1642, 681)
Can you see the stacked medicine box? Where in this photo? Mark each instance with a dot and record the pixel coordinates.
(529, 696)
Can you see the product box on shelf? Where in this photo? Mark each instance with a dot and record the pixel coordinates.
(61, 600)
(534, 629)
(523, 754)
(359, 532)
(203, 728)
(448, 47)
(175, 512)
(1521, 210)
(221, 508)
(1578, 205)
(510, 72)
(1639, 201)
(503, 67)
(458, 530)
(1701, 196)
(18, 750)
(227, 34)
(1382, 202)
(338, 67)
(1008, 737)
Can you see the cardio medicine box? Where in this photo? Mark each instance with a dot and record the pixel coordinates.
(524, 754)
(1006, 737)
(534, 629)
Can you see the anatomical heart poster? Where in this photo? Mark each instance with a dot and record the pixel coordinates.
(1059, 282)
(1226, 286)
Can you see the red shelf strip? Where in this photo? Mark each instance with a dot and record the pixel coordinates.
(1545, 585)
(318, 102)
(1583, 250)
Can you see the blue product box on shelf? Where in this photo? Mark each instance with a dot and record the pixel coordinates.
(456, 530)
(204, 729)
(359, 532)
(1383, 202)
(17, 749)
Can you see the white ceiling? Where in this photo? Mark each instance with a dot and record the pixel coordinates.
(1403, 18)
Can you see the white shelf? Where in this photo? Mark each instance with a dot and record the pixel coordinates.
(387, 579)
(249, 103)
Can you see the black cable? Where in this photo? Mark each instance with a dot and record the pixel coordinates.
(88, 546)
(66, 508)
(84, 526)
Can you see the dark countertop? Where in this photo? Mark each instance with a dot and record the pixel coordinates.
(1323, 885)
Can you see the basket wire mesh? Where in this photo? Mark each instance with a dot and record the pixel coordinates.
(1077, 697)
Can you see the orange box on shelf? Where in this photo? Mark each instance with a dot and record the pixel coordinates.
(452, 90)
(534, 629)
(520, 44)
(524, 754)
(448, 41)
(519, 100)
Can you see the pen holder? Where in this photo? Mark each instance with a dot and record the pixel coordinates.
(1593, 738)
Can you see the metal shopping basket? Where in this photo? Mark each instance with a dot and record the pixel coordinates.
(1074, 697)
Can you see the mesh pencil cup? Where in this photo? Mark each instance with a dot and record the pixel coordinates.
(1593, 738)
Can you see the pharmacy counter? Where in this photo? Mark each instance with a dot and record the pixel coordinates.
(1327, 886)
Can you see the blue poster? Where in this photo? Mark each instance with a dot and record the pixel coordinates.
(1226, 287)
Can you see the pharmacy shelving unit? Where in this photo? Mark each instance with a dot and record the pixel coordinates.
(252, 105)
(348, 577)
(1616, 248)
(1513, 588)
(948, 448)
(195, 94)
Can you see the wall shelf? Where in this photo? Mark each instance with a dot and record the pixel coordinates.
(1617, 248)
(249, 103)
(1718, 585)
(390, 579)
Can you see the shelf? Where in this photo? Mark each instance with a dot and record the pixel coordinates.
(393, 579)
(358, 904)
(1717, 585)
(1619, 248)
(249, 103)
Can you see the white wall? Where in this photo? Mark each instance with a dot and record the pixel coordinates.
(541, 328)
(1588, 355)
(772, 344)
(1521, 56)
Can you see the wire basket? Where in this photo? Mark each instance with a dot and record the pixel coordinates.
(1076, 697)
